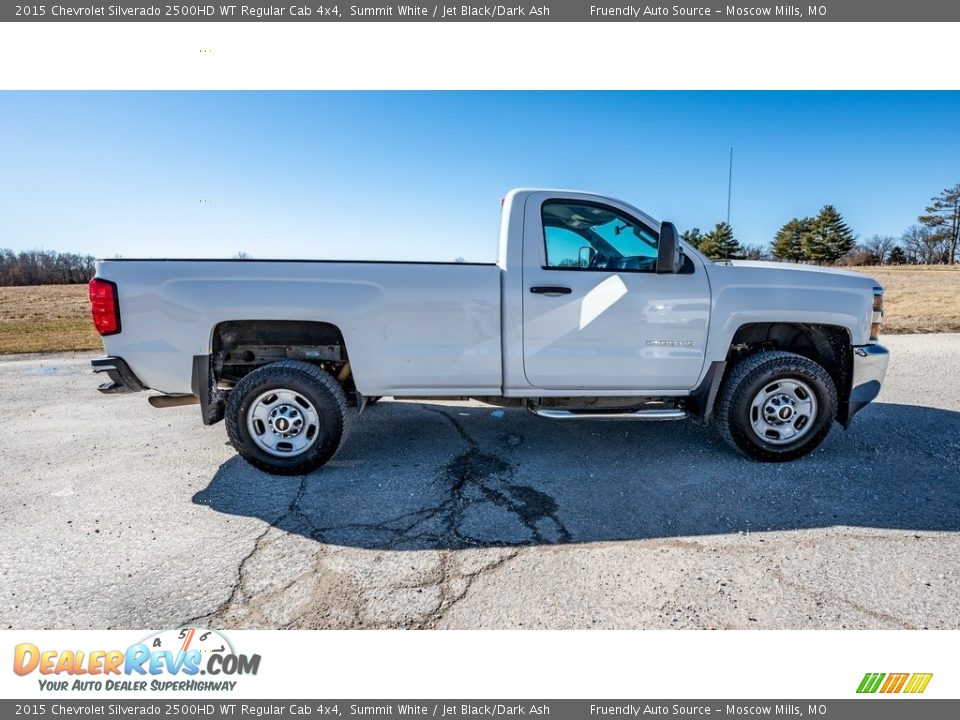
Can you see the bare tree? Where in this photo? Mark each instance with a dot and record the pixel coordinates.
(879, 246)
(755, 252)
(858, 255)
(923, 246)
(44, 267)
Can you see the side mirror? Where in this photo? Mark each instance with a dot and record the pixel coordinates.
(669, 257)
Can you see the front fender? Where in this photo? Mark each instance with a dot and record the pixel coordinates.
(746, 295)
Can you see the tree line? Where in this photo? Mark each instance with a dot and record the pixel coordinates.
(44, 267)
(823, 239)
(826, 239)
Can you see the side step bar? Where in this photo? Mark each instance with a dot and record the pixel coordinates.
(654, 414)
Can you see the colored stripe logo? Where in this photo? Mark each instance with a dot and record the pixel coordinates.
(913, 683)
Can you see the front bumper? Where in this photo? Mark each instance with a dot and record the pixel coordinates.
(869, 368)
(122, 377)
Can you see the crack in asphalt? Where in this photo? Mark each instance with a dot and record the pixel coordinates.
(473, 478)
(448, 599)
(470, 470)
(823, 595)
(236, 590)
(467, 474)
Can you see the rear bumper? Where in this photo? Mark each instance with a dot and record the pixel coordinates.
(869, 368)
(122, 378)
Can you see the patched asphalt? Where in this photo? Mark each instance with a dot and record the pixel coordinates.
(458, 515)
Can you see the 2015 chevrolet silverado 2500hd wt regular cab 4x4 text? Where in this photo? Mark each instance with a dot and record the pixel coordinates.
(592, 311)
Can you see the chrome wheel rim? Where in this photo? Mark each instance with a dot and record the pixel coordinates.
(283, 423)
(783, 411)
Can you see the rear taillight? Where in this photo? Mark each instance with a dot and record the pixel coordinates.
(876, 320)
(104, 306)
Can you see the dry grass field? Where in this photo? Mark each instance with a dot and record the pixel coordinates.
(46, 318)
(53, 318)
(919, 298)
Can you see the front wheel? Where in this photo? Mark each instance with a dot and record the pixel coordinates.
(776, 406)
(286, 418)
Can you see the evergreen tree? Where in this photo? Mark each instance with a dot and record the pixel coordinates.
(788, 242)
(692, 237)
(720, 243)
(897, 256)
(943, 219)
(828, 238)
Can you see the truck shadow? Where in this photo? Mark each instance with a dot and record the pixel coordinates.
(436, 476)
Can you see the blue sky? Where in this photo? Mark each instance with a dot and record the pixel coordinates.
(419, 175)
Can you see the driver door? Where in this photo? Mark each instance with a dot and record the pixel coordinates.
(596, 315)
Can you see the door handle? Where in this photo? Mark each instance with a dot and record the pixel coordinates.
(550, 290)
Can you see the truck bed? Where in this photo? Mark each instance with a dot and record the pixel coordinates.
(409, 327)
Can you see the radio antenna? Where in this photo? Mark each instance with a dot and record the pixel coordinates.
(729, 185)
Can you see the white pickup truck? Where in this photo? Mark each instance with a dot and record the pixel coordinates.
(593, 311)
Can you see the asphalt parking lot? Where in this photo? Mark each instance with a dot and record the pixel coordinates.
(449, 515)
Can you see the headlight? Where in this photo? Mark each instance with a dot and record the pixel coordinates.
(876, 322)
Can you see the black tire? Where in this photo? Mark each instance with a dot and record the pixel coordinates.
(757, 374)
(311, 384)
(374, 400)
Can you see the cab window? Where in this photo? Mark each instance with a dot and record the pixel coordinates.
(584, 236)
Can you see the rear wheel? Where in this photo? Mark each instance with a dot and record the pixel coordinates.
(287, 418)
(776, 406)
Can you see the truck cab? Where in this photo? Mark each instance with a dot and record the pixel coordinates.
(606, 305)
